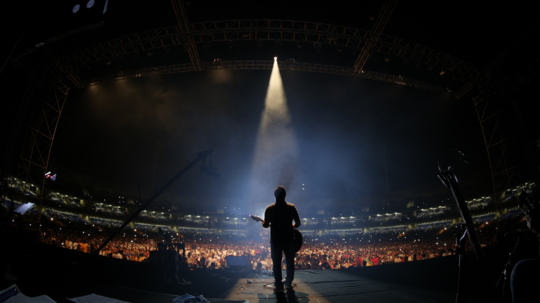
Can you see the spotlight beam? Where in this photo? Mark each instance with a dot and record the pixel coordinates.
(276, 153)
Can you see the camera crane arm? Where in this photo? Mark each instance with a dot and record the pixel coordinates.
(201, 156)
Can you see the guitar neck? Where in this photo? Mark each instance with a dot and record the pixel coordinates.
(256, 218)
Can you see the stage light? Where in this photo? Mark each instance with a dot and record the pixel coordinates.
(276, 145)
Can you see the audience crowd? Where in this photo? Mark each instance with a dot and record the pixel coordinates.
(208, 242)
(209, 249)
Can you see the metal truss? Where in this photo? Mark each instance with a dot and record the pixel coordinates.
(267, 65)
(378, 28)
(60, 70)
(495, 114)
(500, 119)
(300, 32)
(183, 24)
(492, 111)
(37, 146)
(47, 94)
(34, 159)
(47, 67)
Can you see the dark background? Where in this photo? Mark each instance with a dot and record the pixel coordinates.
(139, 132)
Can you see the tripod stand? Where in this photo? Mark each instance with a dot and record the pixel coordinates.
(450, 180)
(506, 271)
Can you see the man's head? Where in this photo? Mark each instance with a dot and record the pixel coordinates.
(280, 193)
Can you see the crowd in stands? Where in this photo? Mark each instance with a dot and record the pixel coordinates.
(387, 217)
(432, 225)
(310, 222)
(338, 254)
(516, 191)
(105, 222)
(22, 187)
(6, 203)
(328, 243)
(433, 211)
(64, 216)
(386, 230)
(479, 203)
(333, 249)
(154, 216)
(114, 211)
(342, 220)
(209, 250)
(122, 247)
(27, 189)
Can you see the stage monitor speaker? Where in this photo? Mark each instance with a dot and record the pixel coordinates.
(236, 261)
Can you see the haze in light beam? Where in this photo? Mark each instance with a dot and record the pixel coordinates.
(276, 151)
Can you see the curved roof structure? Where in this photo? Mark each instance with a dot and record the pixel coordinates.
(442, 49)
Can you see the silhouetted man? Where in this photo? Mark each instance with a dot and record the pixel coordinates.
(279, 218)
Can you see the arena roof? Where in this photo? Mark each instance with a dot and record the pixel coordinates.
(136, 133)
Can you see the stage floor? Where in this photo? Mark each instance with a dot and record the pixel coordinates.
(333, 286)
(65, 274)
(317, 286)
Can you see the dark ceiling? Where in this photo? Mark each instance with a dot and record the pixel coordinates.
(476, 33)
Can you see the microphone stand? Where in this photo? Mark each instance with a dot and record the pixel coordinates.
(461, 295)
(506, 270)
(450, 180)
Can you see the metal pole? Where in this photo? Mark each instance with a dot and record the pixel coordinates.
(9, 56)
(200, 156)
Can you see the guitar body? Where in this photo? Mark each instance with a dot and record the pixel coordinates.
(298, 238)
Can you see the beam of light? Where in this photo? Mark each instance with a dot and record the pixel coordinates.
(276, 152)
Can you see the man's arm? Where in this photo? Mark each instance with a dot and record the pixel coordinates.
(296, 219)
(266, 222)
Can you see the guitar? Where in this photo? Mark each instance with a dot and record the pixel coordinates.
(298, 238)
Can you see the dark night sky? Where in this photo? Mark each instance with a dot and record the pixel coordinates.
(140, 132)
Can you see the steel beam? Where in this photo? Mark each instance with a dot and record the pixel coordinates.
(183, 25)
(268, 30)
(380, 24)
(36, 151)
(495, 114)
(267, 65)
